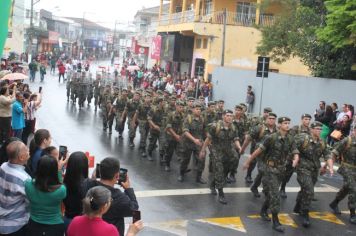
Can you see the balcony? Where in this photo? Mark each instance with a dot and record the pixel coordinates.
(232, 18)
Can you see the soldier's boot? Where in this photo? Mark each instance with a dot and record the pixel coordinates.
(248, 179)
(131, 143)
(212, 189)
(167, 168)
(263, 213)
(352, 216)
(199, 179)
(277, 226)
(231, 178)
(162, 160)
(150, 156)
(282, 192)
(143, 152)
(297, 207)
(334, 206)
(255, 192)
(305, 216)
(181, 176)
(221, 198)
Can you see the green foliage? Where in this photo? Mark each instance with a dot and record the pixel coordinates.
(340, 29)
(294, 34)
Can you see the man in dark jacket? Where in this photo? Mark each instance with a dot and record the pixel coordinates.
(123, 203)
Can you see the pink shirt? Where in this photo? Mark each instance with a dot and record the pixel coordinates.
(84, 226)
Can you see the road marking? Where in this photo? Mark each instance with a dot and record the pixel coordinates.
(326, 216)
(285, 219)
(200, 191)
(234, 223)
(177, 227)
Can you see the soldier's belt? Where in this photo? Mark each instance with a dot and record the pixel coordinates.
(348, 165)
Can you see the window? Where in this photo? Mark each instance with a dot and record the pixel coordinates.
(198, 43)
(246, 13)
(205, 43)
(208, 7)
(28, 13)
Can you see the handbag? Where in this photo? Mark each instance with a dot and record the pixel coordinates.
(336, 134)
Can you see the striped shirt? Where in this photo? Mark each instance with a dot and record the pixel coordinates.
(14, 205)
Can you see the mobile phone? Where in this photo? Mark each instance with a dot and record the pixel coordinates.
(123, 175)
(40, 89)
(136, 216)
(63, 152)
(97, 171)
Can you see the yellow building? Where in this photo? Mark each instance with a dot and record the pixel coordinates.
(192, 30)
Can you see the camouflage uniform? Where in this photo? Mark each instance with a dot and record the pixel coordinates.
(158, 117)
(346, 149)
(224, 154)
(96, 93)
(276, 150)
(195, 126)
(90, 93)
(258, 134)
(105, 105)
(174, 121)
(142, 112)
(308, 168)
(131, 108)
(119, 107)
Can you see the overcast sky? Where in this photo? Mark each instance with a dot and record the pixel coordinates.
(104, 12)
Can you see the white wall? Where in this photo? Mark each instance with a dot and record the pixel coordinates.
(286, 94)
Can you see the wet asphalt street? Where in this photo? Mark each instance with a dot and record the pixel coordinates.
(167, 206)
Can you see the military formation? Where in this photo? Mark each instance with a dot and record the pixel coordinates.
(192, 131)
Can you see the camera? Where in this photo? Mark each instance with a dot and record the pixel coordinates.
(63, 152)
(97, 171)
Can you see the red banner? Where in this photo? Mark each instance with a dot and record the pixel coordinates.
(156, 47)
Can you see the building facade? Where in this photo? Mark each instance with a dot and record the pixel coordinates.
(193, 34)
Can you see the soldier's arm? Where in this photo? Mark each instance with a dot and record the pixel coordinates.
(247, 141)
(206, 143)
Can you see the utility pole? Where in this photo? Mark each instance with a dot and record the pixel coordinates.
(31, 31)
(223, 39)
(82, 38)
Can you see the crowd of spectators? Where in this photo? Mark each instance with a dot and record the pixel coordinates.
(46, 192)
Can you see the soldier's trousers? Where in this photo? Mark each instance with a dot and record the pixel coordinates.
(120, 126)
(187, 152)
(254, 162)
(221, 164)
(68, 94)
(89, 98)
(105, 116)
(111, 118)
(143, 129)
(258, 179)
(235, 165)
(170, 147)
(349, 186)
(132, 129)
(96, 100)
(272, 179)
(288, 174)
(155, 136)
(306, 179)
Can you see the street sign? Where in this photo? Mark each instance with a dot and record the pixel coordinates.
(262, 67)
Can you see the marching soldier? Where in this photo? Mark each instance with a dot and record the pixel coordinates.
(257, 135)
(311, 148)
(223, 139)
(141, 117)
(276, 148)
(209, 114)
(130, 110)
(220, 109)
(96, 86)
(157, 122)
(174, 131)
(296, 130)
(346, 151)
(192, 141)
(105, 105)
(119, 108)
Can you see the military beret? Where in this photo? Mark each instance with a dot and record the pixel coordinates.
(243, 104)
(316, 124)
(221, 101)
(272, 114)
(282, 119)
(239, 107)
(227, 111)
(267, 110)
(191, 99)
(197, 104)
(306, 115)
(211, 103)
(180, 103)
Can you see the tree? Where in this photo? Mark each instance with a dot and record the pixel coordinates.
(294, 34)
(340, 29)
